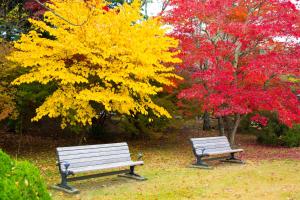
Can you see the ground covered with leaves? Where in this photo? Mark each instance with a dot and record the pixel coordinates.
(270, 172)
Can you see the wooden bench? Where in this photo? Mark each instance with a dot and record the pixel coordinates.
(211, 146)
(89, 158)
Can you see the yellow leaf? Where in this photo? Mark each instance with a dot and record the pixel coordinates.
(116, 60)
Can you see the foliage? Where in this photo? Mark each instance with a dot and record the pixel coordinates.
(14, 16)
(239, 53)
(157, 124)
(113, 59)
(17, 103)
(140, 125)
(109, 125)
(260, 119)
(6, 163)
(276, 133)
(268, 137)
(8, 72)
(34, 8)
(114, 3)
(20, 180)
(292, 137)
(189, 108)
(12, 19)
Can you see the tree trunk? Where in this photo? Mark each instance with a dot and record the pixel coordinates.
(227, 126)
(221, 126)
(206, 121)
(234, 130)
(21, 135)
(81, 138)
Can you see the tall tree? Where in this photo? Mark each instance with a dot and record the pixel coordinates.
(7, 92)
(35, 7)
(113, 60)
(240, 53)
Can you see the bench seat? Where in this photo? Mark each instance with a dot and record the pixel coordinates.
(211, 146)
(224, 152)
(106, 166)
(88, 158)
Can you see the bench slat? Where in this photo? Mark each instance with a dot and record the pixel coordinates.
(207, 145)
(95, 157)
(199, 152)
(212, 145)
(96, 146)
(208, 138)
(111, 157)
(106, 166)
(109, 150)
(98, 162)
(94, 154)
(224, 152)
(210, 141)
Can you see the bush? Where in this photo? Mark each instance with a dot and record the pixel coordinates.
(6, 163)
(272, 133)
(268, 138)
(292, 137)
(20, 180)
(278, 134)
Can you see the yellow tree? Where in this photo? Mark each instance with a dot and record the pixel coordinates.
(99, 59)
(7, 92)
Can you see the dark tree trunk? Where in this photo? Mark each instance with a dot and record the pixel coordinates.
(206, 121)
(237, 120)
(227, 126)
(231, 125)
(21, 134)
(221, 126)
(139, 126)
(97, 127)
(82, 138)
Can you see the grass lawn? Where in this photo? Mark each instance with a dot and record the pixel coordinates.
(270, 173)
(170, 177)
(264, 180)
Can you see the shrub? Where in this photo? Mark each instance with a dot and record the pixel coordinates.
(140, 125)
(5, 168)
(268, 138)
(272, 133)
(6, 163)
(278, 134)
(20, 180)
(292, 137)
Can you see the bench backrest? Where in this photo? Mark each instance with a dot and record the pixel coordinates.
(91, 155)
(210, 144)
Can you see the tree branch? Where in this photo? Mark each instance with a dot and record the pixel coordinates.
(61, 17)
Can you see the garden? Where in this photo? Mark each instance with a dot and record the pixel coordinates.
(101, 100)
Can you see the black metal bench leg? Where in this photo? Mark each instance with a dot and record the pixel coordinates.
(233, 159)
(133, 175)
(132, 171)
(64, 185)
(201, 164)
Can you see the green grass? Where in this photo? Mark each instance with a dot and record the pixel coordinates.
(169, 177)
(266, 180)
(167, 160)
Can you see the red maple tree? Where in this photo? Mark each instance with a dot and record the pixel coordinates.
(35, 9)
(241, 55)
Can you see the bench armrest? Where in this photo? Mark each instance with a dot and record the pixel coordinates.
(201, 148)
(139, 156)
(66, 165)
